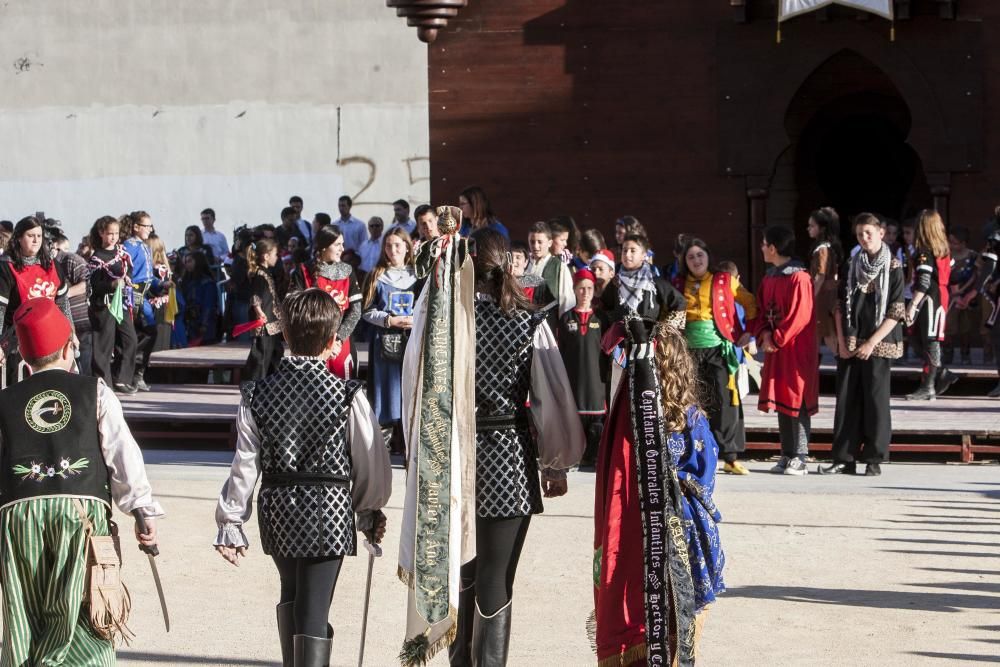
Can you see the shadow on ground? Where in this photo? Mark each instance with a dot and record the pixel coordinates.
(179, 659)
(936, 602)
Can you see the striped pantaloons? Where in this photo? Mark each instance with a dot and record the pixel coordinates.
(43, 565)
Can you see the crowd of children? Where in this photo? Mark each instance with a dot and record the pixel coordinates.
(652, 360)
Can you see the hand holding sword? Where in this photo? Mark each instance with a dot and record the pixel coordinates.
(145, 533)
(372, 539)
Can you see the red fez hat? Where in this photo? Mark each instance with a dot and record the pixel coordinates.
(605, 256)
(583, 274)
(41, 328)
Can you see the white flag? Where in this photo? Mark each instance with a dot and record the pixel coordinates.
(792, 8)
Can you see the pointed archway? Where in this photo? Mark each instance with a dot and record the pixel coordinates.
(940, 91)
(848, 127)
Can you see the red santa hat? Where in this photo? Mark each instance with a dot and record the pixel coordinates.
(583, 274)
(605, 256)
(41, 327)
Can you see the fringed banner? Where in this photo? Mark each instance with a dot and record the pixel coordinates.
(791, 8)
(434, 450)
(668, 585)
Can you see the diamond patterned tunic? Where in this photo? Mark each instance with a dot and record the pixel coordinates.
(302, 412)
(506, 455)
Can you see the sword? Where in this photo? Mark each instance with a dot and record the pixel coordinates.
(374, 551)
(152, 552)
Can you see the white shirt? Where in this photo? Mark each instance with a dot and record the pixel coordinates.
(307, 230)
(218, 243)
(564, 295)
(355, 232)
(409, 226)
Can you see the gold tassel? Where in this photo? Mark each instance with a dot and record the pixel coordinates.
(779, 34)
(630, 656)
(892, 32)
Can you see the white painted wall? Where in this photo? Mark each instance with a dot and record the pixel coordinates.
(113, 105)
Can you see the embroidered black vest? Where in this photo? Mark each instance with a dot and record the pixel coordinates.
(49, 441)
(503, 364)
(305, 501)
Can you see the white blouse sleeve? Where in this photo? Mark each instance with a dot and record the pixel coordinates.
(130, 487)
(553, 408)
(566, 297)
(371, 472)
(236, 498)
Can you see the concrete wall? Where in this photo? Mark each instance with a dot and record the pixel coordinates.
(111, 105)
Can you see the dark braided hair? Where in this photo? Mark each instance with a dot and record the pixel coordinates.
(493, 276)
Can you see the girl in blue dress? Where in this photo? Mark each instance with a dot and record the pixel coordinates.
(389, 293)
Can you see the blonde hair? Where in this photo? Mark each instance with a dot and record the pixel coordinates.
(931, 234)
(678, 391)
(158, 250)
(383, 263)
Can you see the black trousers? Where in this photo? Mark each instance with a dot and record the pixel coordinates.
(724, 418)
(862, 422)
(265, 353)
(145, 335)
(85, 362)
(309, 584)
(145, 341)
(108, 335)
(926, 347)
(498, 550)
(593, 427)
(995, 341)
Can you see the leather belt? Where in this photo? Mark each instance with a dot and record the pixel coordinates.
(271, 480)
(501, 422)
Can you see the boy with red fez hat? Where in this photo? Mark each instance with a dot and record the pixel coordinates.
(65, 452)
(579, 335)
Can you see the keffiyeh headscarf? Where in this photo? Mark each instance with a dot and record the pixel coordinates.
(865, 270)
(634, 283)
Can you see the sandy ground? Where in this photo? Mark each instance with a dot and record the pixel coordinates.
(898, 570)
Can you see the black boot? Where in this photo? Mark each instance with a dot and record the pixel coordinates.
(945, 379)
(460, 651)
(313, 651)
(286, 630)
(926, 391)
(491, 638)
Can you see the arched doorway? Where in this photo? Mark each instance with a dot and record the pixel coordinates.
(849, 127)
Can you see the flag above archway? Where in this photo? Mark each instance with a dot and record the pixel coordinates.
(792, 8)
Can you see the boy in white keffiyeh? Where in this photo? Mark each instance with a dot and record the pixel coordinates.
(870, 336)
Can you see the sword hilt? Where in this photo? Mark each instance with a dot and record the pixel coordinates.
(140, 521)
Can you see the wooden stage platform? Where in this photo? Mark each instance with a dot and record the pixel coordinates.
(230, 357)
(963, 425)
(204, 416)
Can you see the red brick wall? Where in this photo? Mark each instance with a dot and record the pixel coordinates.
(600, 109)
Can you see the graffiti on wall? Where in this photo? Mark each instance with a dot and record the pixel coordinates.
(417, 170)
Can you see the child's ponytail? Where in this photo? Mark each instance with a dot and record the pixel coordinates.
(255, 254)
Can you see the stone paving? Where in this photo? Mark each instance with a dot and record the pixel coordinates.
(902, 569)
